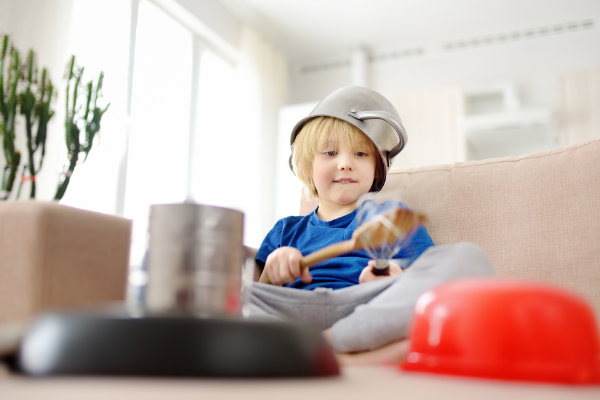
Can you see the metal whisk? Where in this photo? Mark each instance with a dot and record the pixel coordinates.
(398, 228)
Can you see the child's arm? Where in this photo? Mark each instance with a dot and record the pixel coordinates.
(283, 266)
(367, 273)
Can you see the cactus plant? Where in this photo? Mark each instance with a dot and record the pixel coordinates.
(43, 114)
(19, 93)
(8, 111)
(35, 109)
(20, 89)
(75, 121)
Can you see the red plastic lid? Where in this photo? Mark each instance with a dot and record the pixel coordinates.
(505, 329)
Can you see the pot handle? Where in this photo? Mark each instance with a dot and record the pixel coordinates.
(390, 119)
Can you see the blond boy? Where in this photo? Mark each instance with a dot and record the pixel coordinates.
(361, 312)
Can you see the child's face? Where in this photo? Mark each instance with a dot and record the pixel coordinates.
(341, 175)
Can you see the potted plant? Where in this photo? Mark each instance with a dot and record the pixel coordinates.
(23, 93)
(81, 255)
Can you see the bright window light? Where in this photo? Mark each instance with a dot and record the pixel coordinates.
(98, 47)
(157, 165)
(214, 167)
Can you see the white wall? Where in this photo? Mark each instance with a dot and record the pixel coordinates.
(580, 105)
(429, 116)
(533, 64)
(6, 7)
(216, 17)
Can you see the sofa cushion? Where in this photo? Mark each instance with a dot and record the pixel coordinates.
(537, 216)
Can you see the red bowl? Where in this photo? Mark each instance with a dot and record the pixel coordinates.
(505, 329)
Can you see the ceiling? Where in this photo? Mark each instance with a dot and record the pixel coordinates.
(314, 29)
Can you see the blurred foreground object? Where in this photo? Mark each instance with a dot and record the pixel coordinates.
(184, 317)
(105, 344)
(194, 260)
(505, 329)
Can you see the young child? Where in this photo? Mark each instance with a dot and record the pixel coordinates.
(338, 162)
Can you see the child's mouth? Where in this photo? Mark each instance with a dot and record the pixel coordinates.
(345, 180)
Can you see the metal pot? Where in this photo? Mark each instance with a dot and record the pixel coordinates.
(370, 112)
(194, 260)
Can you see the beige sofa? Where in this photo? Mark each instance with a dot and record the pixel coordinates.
(538, 218)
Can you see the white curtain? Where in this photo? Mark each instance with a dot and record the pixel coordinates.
(262, 77)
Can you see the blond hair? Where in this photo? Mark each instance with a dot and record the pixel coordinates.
(321, 132)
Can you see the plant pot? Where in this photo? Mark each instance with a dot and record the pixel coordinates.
(53, 256)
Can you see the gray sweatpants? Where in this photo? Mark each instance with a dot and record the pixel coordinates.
(370, 315)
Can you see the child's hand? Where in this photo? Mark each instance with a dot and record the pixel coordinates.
(283, 266)
(367, 273)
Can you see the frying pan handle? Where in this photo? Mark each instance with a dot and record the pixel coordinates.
(390, 119)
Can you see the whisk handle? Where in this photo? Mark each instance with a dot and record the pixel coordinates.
(327, 252)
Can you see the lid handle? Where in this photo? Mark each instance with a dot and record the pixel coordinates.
(390, 119)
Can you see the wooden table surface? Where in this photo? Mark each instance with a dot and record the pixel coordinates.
(365, 383)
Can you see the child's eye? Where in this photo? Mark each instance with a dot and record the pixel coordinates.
(330, 153)
(360, 154)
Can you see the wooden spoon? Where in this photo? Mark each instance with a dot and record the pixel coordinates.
(374, 233)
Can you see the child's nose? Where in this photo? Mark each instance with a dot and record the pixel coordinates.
(345, 163)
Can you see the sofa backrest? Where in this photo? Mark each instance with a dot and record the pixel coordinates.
(537, 216)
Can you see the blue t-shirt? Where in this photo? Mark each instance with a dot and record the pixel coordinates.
(309, 234)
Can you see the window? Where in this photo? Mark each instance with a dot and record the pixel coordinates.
(195, 130)
(216, 140)
(160, 113)
(97, 48)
